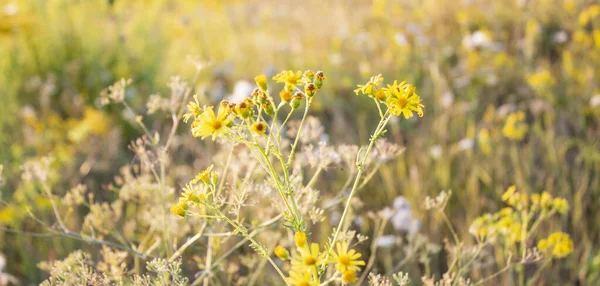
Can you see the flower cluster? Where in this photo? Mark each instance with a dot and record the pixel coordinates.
(196, 194)
(559, 244)
(518, 222)
(400, 98)
(307, 260)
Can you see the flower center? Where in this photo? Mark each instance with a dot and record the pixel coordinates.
(310, 260)
(402, 102)
(216, 125)
(344, 260)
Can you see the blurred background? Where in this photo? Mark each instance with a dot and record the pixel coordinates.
(510, 89)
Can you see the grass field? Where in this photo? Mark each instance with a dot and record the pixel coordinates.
(364, 142)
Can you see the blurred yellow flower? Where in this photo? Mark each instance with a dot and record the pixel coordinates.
(303, 278)
(300, 239)
(261, 81)
(483, 141)
(349, 276)
(194, 109)
(290, 78)
(204, 176)
(370, 88)
(515, 127)
(559, 244)
(180, 208)
(281, 252)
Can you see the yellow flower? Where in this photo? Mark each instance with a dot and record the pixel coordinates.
(543, 245)
(303, 278)
(281, 252)
(180, 208)
(349, 276)
(290, 78)
(259, 127)
(370, 88)
(191, 196)
(209, 124)
(545, 200)
(346, 259)
(261, 81)
(561, 205)
(204, 176)
(300, 239)
(285, 95)
(509, 193)
(194, 109)
(308, 259)
(558, 243)
(402, 99)
(515, 127)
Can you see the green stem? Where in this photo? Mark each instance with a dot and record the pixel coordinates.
(361, 166)
(308, 102)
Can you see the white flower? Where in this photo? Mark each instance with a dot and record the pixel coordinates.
(465, 144)
(436, 151)
(559, 37)
(595, 101)
(385, 241)
(403, 220)
(241, 90)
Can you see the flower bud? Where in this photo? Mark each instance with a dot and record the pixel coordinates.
(281, 252)
(261, 81)
(319, 78)
(244, 108)
(256, 93)
(300, 239)
(309, 76)
(268, 108)
(285, 96)
(180, 208)
(296, 100)
(259, 127)
(310, 89)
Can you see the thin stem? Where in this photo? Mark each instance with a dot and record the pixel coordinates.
(291, 157)
(361, 166)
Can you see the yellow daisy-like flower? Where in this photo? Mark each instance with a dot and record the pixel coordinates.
(192, 197)
(211, 124)
(203, 176)
(308, 259)
(402, 99)
(290, 78)
(370, 87)
(303, 278)
(349, 276)
(346, 259)
(194, 109)
(180, 208)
